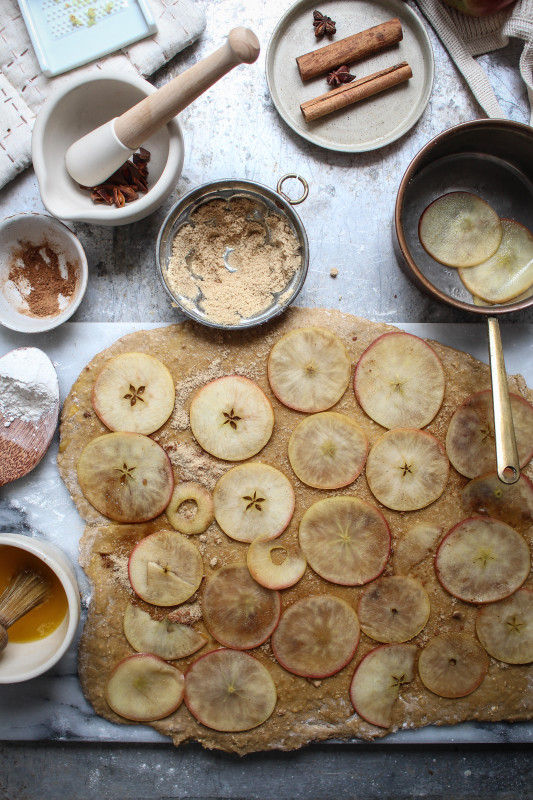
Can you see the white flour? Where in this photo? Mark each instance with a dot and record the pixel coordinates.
(28, 385)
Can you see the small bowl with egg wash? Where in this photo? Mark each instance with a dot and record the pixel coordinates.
(40, 638)
(233, 254)
(43, 272)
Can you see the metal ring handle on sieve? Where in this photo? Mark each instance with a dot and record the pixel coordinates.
(285, 196)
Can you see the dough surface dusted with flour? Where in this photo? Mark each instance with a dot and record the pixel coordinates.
(307, 710)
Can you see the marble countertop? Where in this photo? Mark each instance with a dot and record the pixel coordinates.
(234, 131)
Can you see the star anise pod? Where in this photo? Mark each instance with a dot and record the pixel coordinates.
(339, 75)
(323, 24)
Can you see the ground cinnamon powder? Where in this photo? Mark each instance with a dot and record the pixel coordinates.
(232, 259)
(43, 278)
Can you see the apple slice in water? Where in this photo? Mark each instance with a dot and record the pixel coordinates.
(317, 636)
(231, 418)
(239, 612)
(393, 609)
(417, 543)
(392, 375)
(510, 502)
(165, 568)
(481, 560)
(378, 679)
(134, 392)
(345, 540)
(252, 500)
(191, 508)
(126, 476)
(460, 229)
(470, 440)
(407, 469)
(275, 565)
(309, 369)
(168, 640)
(228, 690)
(505, 629)
(142, 687)
(509, 272)
(328, 450)
(452, 665)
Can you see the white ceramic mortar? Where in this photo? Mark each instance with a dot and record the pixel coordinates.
(80, 106)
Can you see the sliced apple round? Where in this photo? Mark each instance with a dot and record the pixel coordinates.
(345, 540)
(470, 440)
(399, 381)
(165, 568)
(228, 690)
(252, 500)
(328, 450)
(231, 418)
(459, 229)
(317, 636)
(510, 502)
(378, 679)
(134, 392)
(452, 665)
(505, 629)
(481, 560)
(417, 543)
(407, 469)
(239, 612)
(309, 369)
(142, 687)
(191, 509)
(393, 609)
(509, 272)
(275, 565)
(166, 639)
(126, 476)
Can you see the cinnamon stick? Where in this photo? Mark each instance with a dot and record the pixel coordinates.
(350, 93)
(352, 48)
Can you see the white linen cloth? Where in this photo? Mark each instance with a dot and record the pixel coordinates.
(23, 87)
(465, 37)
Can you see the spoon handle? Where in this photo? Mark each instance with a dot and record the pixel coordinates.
(137, 124)
(507, 463)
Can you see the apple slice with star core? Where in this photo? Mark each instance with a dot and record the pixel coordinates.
(228, 690)
(142, 687)
(470, 442)
(134, 392)
(231, 418)
(460, 229)
(378, 679)
(166, 639)
(316, 636)
(393, 609)
(407, 469)
(481, 560)
(126, 476)
(452, 664)
(239, 612)
(345, 540)
(388, 380)
(165, 568)
(505, 628)
(274, 564)
(328, 450)
(309, 369)
(253, 499)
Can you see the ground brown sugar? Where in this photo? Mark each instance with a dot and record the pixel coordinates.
(232, 259)
(43, 278)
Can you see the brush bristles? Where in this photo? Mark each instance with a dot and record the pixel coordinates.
(26, 591)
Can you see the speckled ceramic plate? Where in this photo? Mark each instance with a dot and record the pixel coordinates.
(371, 123)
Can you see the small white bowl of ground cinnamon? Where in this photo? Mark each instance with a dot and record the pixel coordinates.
(43, 272)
